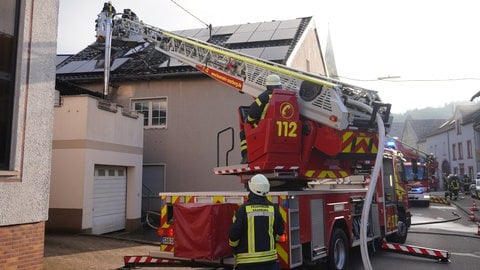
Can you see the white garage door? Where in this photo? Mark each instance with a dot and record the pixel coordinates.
(109, 199)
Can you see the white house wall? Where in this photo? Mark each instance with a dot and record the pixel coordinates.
(466, 134)
(85, 136)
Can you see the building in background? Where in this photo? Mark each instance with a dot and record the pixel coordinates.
(453, 142)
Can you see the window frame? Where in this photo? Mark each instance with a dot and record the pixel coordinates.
(460, 150)
(469, 149)
(454, 151)
(8, 77)
(148, 117)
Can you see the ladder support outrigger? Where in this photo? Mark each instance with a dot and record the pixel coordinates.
(440, 255)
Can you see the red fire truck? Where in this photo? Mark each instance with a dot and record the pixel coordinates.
(321, 144)
(420, 169)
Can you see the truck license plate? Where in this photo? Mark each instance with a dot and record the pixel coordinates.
(166, 240)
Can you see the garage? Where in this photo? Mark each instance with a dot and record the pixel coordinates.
(109, 199)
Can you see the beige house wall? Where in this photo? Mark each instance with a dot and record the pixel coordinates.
(85, 136)
(197, 108)
(307, 55)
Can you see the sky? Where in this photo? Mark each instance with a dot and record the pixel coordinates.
(429, 49)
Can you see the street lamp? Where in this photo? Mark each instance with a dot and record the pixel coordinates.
(388, 78)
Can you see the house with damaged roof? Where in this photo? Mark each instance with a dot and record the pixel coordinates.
(183, 111)
(455, 142)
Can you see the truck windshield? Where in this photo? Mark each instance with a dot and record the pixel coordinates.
(420, 175)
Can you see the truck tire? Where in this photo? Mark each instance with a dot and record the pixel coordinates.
(339, 251)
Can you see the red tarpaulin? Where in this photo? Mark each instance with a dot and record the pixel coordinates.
(201, 230)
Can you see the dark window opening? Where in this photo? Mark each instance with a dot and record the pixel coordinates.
(8, 56)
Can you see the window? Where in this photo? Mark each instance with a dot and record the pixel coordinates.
(460, 150)
(459, 126)
(8, 55)
(470, 172)
(461, 169)
(154, 111)
(454, 151)
(469, 149)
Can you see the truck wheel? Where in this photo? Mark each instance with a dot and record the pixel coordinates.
(338, 257)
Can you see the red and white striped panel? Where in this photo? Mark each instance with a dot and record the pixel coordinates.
(237, 170)
(129, 260)
(288, 168)
(418, 251)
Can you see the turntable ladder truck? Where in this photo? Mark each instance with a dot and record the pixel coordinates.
(317, 145)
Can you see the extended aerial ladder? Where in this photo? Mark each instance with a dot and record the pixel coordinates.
(336, 119)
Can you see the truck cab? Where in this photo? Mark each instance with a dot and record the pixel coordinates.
(418, 183)
(475, 187)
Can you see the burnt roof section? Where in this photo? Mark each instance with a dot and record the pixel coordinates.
(273, 41)
(424, 127)
(466, 114)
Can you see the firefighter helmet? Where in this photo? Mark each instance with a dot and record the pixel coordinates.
(273, 79)
(259, 185)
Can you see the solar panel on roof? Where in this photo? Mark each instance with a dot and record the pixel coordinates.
(265, 26)
(261, 36)
(225, 30)
(274, 53)
(86, 67)
(204, 32)
(290, 24)
(70, 67)
(189, 32)
(286, 33)
(255, 52)
(250, 27)
(239, 37)
(117, 63)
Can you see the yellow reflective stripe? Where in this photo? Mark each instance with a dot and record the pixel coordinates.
(251, 234)
(233, 243)
(264, 111)
(270, 231)
(282, 253)
(264, 256)
(259, 102)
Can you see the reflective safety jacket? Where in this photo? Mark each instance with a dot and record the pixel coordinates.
(454, 185)
(258, 109)
(256, 227)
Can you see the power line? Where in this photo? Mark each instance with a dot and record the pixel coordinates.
(387, 79)
(184, 9)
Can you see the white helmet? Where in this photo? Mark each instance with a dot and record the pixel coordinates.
(259, 185)
(273, 79)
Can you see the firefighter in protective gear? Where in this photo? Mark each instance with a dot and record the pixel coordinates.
(454, 187)
(466, 184)
(256, 227)
(258, 109)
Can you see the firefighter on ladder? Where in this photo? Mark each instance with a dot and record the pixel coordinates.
(256, 227)
(258, 109)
